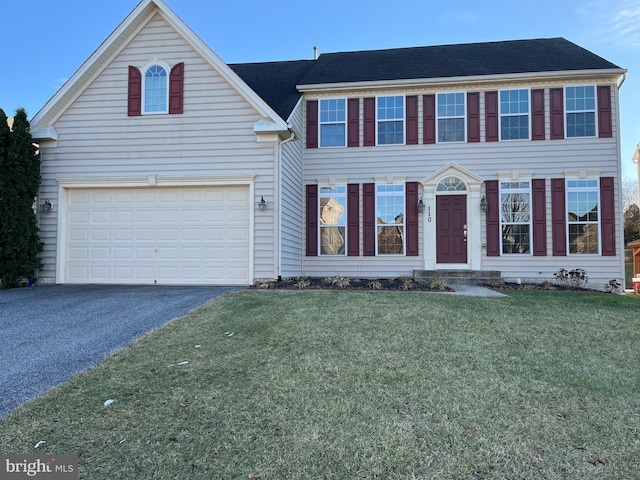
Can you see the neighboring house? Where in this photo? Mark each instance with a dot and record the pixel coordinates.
(166, 165)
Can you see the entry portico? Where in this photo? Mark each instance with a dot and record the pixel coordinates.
(452, 197)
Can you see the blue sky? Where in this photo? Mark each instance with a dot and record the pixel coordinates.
(45, 41)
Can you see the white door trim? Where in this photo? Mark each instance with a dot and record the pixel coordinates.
(473, 184)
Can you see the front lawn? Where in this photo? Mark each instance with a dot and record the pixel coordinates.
(359, 385)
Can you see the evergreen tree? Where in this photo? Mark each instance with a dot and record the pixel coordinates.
(18, 226)
(4, 152)
(632, 223)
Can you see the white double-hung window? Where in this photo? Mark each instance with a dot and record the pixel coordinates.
(583, 204)
(333, 122)
(333, 219)
(514, 114)
(390, 114)
(390, 218)
(515, 216)
(580, 106)
(451, 114)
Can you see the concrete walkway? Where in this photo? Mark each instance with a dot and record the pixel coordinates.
(475, 291)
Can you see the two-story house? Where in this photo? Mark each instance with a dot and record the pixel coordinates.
(166, 165)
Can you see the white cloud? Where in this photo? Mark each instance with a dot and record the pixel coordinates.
(613, 23)
(626, 25)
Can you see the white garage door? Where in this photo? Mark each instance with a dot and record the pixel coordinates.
(194, 235)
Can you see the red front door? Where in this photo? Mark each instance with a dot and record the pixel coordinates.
(451, 228)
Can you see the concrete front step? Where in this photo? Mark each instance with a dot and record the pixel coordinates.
(459, 277)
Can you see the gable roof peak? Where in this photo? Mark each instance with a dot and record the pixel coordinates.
(118, 39)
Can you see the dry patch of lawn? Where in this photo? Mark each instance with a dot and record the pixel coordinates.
(366, 385)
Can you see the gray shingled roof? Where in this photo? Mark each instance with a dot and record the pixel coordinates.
(276, 82)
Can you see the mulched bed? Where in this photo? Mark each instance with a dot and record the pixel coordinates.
(403, 284)
(544, 286)
(343, 283)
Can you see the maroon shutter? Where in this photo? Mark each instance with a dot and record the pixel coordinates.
(134, 104)
(537, 115)
(412, 218)
(558, 217)
(176, 89)
(493, 218)
(556, 100)
(429, 119)
(369, 218)
(353, 127)
(604, 112)
(473, 117)
(312, 124)
(491, 116)
(539, 217)
(607, 216)
(353, 219)
(312, 220)
(369, 122)
(412, 120)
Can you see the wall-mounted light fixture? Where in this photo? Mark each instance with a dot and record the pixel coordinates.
(46, 206)
(484, 206)
(262, 204)
(420, 206)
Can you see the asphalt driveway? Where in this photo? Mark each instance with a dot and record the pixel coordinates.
(49, 333)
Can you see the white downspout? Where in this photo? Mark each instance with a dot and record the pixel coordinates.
(279, 209)
(620, 225)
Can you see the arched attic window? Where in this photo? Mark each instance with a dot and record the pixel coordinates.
(156, 90)
(155, 87)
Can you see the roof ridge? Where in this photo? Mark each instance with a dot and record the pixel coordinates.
(463, 44)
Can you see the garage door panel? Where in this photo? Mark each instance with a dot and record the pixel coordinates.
(100, 235)
(100, 253)
(99, 271)
(123, 253)
(124, 196)
(79, 217)
(145, 234)
(193, 235)
(123, 234)
(102, 197)
(122, 273)
(79, 253)
(146, 215)
(123, 216)
(79, 235)
(100, 217)
(236, 234)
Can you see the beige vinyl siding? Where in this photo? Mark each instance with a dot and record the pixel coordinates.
(214, 136)
(292, 247)
(543, 159)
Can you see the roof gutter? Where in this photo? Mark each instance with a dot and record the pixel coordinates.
(439, 81)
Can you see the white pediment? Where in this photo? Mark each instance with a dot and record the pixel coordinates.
(451, 170)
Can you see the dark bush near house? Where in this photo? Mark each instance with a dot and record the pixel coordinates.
(576, 278)
(19, 180)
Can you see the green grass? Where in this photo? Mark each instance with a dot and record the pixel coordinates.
(359, 385)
